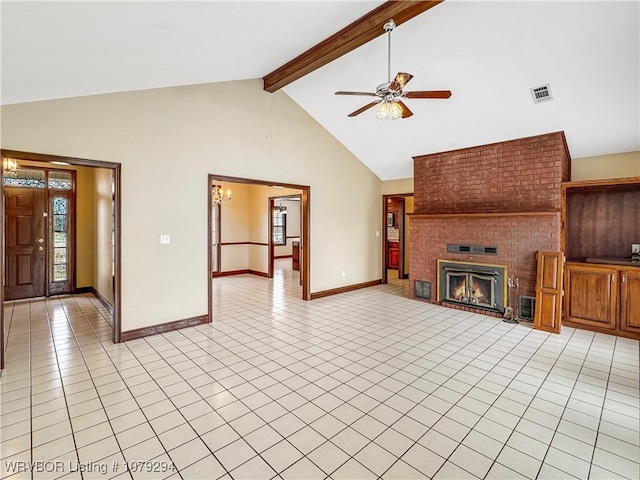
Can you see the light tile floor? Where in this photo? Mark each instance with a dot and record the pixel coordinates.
(366, 384)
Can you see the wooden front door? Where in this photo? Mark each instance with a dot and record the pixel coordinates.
(25, 233)
(549, 291)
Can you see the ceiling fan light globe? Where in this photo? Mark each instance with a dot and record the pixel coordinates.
(383, 111)
(396, 111)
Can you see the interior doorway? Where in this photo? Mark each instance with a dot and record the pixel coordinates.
(285, 231)
(244, 226)
(40, 243)
(395, 239)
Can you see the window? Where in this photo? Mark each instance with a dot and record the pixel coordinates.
(60, 239)
(60, 180)
(25, 177)
(279, 226)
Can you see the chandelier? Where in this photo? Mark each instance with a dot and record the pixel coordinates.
(218, 196)
(280, 209)
(389, 110)
(9, 166)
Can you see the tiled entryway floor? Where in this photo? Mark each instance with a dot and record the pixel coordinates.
(365, 384)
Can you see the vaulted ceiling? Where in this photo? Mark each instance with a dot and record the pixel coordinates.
(489, 54)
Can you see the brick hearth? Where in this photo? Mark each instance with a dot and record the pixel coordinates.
(504, 194)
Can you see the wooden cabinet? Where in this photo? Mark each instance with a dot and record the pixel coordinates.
(630, 300)
(295, 260)
(600, 222)
(394, 255)
(591, 295)
(603, 298)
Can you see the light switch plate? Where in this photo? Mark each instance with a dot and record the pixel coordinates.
(635, 248)
(164, 239)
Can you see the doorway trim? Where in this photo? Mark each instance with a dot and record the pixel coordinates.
(116, 168)
(305, 226)
(403, 234)
(272, 201)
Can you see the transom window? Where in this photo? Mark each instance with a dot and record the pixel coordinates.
(34, 178)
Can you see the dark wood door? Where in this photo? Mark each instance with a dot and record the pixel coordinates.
(25, 233)
(630, 300)
(549, 291)
(592, 296)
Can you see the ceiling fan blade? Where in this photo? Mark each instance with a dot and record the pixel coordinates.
(429, 94)
(400, 81)
(405, 110)
(360, 110)
(368, 94)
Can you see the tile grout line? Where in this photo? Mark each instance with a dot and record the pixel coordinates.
(564, 410)
(490, 405)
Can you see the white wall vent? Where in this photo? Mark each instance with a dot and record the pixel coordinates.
(541, 94)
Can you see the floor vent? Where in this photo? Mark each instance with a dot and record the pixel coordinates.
(422, 289)
(481, 249)
(526, 307)
(541, 94)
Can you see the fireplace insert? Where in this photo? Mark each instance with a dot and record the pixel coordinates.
(477, 285)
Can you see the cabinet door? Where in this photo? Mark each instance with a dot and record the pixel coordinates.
(394, 257)
(549, 291)
(630, 300)
(592, 295)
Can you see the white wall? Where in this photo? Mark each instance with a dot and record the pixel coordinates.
(167, 141)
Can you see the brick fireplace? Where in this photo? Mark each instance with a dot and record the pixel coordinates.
(492, 204)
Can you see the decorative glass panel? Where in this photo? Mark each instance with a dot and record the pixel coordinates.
(59, 273)
(60, 239)
(60, 255)
(59, 223)
(25, 177)
(60, 206)
(60, 180)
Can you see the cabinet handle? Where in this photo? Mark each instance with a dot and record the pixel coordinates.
(613, 278)
(624, 278)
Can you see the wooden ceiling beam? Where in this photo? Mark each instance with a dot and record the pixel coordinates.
(363, 30)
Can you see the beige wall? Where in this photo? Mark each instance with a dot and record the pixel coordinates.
(234, 227)
(103, 257)
(617, 165)
(259, 230)
(85, 226)
(245, 219)
(167, 141)
(403, 185)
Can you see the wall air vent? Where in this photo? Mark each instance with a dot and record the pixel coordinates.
(481, 249)
(526, 307)
(541, 94)
(422, 289)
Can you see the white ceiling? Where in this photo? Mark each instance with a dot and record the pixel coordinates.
(489, 54)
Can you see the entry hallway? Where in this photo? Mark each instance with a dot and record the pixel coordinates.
(366, 384)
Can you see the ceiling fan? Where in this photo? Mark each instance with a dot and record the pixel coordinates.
(391, 94)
